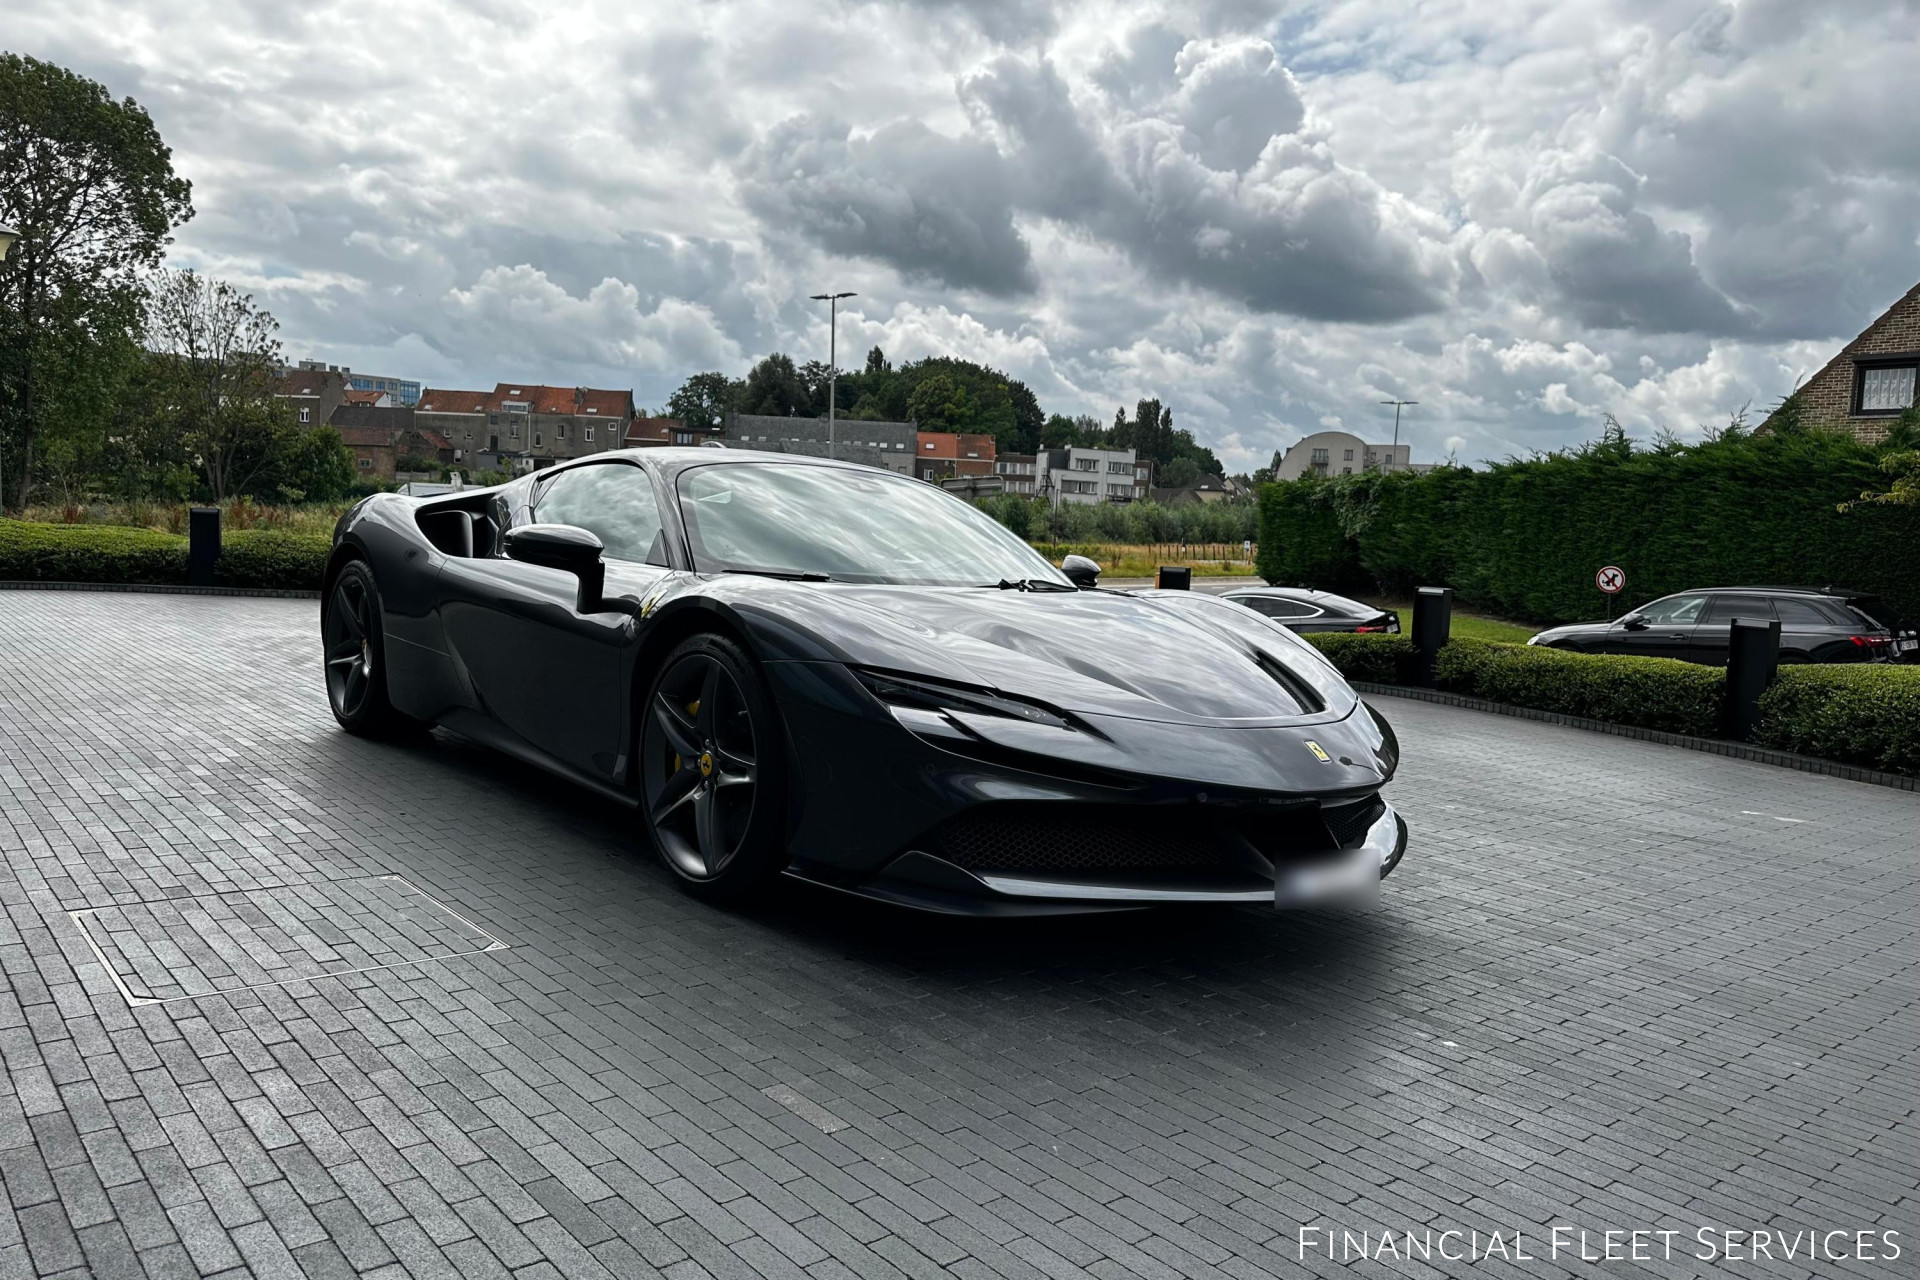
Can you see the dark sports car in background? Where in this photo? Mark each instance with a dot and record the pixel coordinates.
(1823, 624)
(791, 665)
(1304, 609)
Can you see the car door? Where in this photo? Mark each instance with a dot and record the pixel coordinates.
(1663, 629)
(553, 677)
(1712, 637)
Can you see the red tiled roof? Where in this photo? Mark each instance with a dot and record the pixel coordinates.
(563, 400)
(365, 397)
(366, 437)
(304, 382)
(651, 430)
(437, 400)
(432, 439)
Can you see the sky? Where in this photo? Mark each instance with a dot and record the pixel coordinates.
(1272, 216)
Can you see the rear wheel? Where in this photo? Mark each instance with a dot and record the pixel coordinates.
(356, 655)
(712, 770)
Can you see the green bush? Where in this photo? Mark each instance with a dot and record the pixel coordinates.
(1653, 693)
(1865, 714)
(265, 558)
(1522, 538)
(1378, 659)
(31, 552)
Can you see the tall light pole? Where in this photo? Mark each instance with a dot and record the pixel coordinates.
(1396, 425)
(833, 356)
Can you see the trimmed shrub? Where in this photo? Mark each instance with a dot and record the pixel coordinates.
(264, 558)
(1864, 714)
(1378, 659)
(31, 552)
(1522, 538)
(1653, 693)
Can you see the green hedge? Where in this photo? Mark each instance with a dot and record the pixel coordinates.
(33, 552)
(1867, 714)
(1653, 693)
(1522, 538)
(1378, 659)
(265, 558)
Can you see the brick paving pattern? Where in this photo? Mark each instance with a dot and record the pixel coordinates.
(1615, 985)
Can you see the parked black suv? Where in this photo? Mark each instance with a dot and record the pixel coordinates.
(1816, 625)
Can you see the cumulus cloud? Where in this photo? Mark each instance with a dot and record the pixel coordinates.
(1524, 217)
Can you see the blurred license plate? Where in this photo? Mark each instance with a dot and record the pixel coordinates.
(1909, 644)
(1352, 880)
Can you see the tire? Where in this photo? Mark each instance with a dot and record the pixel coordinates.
(713, 771)
(355, 651)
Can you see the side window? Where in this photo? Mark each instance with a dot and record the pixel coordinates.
(1674, 610)
(612, 500)
(1798, 613)
(1726, 608)
(1279, 607)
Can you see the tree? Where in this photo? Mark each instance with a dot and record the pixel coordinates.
(705, 399)
(774, 387)
(1901, 462)
(941, 404)
(90, 187)
(221, 351)
(1177, 474)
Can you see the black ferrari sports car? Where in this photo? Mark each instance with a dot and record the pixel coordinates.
(789, 665)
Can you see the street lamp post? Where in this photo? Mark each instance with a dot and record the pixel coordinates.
(1396, 425)
(833, 355)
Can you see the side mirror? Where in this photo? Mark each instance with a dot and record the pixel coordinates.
(1082, 571)
(1634, 622)
(567, 547)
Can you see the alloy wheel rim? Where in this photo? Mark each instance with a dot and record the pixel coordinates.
(698, 766)
(349, 647)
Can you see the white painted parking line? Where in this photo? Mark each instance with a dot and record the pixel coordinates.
(1755, 813)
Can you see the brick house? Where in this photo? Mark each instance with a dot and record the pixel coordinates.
(535, 425)
(1873, 379)
(940, 455)
(313, 394)
(373, 451)
(654, 433)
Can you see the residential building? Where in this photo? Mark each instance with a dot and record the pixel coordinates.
(1016, 470)
(941, 454)
(1205, 489)
(373, 450)
(653, 433)
(404, 391)
(379, 435)
(1874, 378)
(313, 394)
(1339, 453)
(528, 424)
(875, 444)
(1089, 475)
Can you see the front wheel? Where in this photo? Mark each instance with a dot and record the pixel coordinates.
(356, 655)
(712, 770)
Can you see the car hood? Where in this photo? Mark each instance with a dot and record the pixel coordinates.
(1192, 660)
(1595, 629)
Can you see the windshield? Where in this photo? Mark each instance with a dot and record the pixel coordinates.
(851, 525)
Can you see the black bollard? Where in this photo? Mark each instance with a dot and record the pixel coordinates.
(1174, 578)
(203, 545)
(1753, 658)
(1432, 625)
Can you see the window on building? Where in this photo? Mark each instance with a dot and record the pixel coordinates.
(586, 433)
(1349, 457)
(1885, 388)
(1079, 486)
(1086, 464)
(366, 464)
(1320, 457)
(514, 431)
(1120, 468)
(928, 446)
(1347, 471)
(560, 432)
(305, 414)
(536, 439)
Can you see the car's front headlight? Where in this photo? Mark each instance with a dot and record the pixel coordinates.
(923, 705)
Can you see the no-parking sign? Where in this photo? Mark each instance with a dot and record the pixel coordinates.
(1611, 580)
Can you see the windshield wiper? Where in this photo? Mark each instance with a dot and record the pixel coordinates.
(785, 575)
(1029, 584)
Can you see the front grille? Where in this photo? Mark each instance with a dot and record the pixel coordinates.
(1004, 838)
(1351, 822)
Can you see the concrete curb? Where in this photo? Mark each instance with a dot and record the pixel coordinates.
(1715, 746)
(275, 593)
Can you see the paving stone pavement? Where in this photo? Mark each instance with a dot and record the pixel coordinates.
(1614, 986)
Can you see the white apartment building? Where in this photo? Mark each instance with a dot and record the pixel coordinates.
(1089, 475)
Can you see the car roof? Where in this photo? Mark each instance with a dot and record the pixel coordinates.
(1838, 593)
